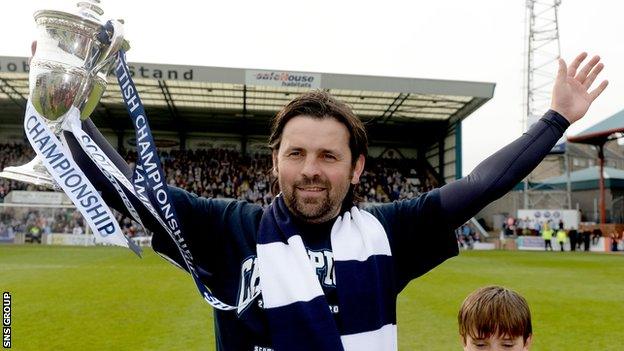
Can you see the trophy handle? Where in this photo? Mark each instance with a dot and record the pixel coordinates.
(116, 39)
(112, 34)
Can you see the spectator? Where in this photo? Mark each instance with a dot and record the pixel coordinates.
(596, 235)
(573, 239)
(614, 241)
(34, 235)
(561, 238)
(586, 239)
(547, 234)
(510, 226)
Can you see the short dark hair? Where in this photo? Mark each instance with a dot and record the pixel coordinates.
(494, 310)
(320, 104)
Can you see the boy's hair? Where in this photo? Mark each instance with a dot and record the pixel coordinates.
(494, 310)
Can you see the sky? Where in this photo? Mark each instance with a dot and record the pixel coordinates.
(479, 40)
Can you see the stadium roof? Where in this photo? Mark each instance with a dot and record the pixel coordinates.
(587, 178)
(608, 129)
(198, 98)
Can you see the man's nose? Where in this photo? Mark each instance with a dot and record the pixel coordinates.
(311, 167)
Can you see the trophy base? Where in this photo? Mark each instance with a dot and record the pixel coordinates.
(33, 173)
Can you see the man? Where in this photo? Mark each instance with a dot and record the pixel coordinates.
(469, 235)
(359, 260)
(573, 233)
(586, 239)
(547, 234)
(561, 238)
(596, 235)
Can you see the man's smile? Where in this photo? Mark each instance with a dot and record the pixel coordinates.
(310, 190)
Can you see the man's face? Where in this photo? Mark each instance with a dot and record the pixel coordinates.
(313, 167)
(497, 343)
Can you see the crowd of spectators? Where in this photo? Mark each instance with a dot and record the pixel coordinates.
(467, 236)
(37, 221)
(226, 173)
(220, 173)
(386, 180)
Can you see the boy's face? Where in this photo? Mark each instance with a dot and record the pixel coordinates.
(497, 343)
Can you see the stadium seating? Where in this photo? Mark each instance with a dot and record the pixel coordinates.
(210, 173)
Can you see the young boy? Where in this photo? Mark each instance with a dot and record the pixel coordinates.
(495, 318)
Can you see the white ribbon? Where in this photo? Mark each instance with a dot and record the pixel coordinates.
(73, 181)
(101, 160)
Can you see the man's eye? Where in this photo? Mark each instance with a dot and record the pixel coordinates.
(329, 157)
(294, 153)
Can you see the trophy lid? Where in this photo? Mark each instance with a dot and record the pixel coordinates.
(86, 19)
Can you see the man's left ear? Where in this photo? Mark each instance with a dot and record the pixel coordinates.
(274, 158)
(358, 169)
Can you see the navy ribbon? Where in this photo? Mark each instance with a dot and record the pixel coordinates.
(149, 177)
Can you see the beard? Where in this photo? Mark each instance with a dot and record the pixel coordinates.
(313, 209)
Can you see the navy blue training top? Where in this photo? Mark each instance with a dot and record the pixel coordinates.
(221, 234)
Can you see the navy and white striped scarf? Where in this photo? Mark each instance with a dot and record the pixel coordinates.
(298, 313)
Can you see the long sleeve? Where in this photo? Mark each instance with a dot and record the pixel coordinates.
(161, 241)
(500, 172)
(211, 228)
(90, 169)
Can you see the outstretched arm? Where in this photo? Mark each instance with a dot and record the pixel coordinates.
(495, 176)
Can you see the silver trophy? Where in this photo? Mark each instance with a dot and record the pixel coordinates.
(75, 52)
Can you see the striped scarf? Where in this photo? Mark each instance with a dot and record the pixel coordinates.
(298, 314)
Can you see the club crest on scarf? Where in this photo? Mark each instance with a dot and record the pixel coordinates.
(322, 261)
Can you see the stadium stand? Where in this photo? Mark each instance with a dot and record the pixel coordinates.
(219, 173)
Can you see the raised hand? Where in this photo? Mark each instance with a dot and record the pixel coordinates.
(571, 97)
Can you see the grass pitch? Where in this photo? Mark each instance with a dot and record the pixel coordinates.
(103, 298)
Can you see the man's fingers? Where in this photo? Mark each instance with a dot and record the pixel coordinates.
(592, 75)
(576, 63)
(582, 75)
(596, 92)
(561, 74)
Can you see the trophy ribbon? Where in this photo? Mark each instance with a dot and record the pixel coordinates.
(111, 172)
(149, 178)
(73, 181)
(101, 160)
(72, 124)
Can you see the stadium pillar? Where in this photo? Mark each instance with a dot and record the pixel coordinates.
(244, 123)
(120, 135)
(458, 150)
(441, 159)
(603, 214)
(244, 145)
(182, 140)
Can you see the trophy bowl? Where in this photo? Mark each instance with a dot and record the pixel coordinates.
(74, 54)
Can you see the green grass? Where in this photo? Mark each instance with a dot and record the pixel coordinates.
(74, 298)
